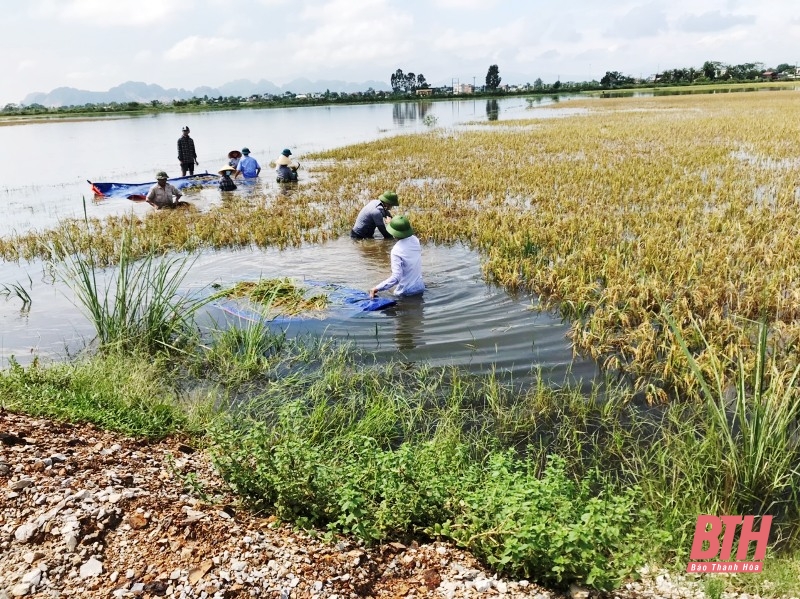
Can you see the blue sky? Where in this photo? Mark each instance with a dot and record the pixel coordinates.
(97, 44)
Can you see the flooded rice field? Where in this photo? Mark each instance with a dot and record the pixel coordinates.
(461, 320)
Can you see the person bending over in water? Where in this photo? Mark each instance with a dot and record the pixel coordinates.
(162, 194)
(225, 181)
(286, 169)
(373, 216)
(406, 259)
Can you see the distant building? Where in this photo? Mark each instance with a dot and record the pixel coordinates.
(425, 91)
(463, 88)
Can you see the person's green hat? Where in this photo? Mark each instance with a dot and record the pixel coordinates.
(286, 152)
(161, 175)
(245, 150)
(399, 227)
(389, 197)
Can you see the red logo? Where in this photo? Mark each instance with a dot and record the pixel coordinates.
(708, 530)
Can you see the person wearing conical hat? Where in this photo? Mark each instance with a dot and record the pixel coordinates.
(225, 181)
(286, 168)
(162, 194)
(375, 215)
(406, 260)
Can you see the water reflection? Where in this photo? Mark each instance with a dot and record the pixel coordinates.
(492, 109)
(404, 113)
(375, 253)
(409, 322)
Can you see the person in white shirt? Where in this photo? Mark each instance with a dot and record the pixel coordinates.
(406, 259)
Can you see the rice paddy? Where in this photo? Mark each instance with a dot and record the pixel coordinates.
(611, 216)
(281, 296)
(663, 229)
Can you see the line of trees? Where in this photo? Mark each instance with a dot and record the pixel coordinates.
(407, 82)
(711, 71)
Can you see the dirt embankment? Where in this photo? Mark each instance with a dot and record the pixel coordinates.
(87, 513)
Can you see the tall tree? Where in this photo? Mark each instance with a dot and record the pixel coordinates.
(421, 83)
(398, 80)
(493, 77)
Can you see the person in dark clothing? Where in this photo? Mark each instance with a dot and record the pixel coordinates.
(373, 216)
(186, 153)
(225, 181)
(286, 169)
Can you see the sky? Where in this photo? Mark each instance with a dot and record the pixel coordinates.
(98, 44)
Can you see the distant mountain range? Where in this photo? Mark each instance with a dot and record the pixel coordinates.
(136, 91)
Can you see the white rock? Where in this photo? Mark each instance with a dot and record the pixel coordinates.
(91, 568)
(20, 590)
(33, 577)
(483, 584)
(24, 533)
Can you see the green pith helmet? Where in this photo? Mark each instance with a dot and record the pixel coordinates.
(390, 198)
(161, 175)
(286, 152)
(245, 150)
(400, 227)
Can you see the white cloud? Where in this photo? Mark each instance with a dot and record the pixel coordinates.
(107, 12)
(196, 46)
(464, 4)
(347, 33)
(713, 21)
(640, 21)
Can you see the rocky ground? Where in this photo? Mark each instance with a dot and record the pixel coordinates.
(87, 513)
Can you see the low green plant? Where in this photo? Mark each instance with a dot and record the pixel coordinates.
(714, 586)
(551, 528)
(17, 290)
(128, 395)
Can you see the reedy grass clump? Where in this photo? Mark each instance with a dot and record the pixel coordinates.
(137, 306)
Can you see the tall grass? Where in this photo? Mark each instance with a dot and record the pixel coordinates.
(747, 447)
(137, 306)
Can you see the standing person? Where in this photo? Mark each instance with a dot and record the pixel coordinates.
(186, 153)
(406, 259)
(162, 194)
(286, 169)
(248, 166)
(225, 181)
(373, 216)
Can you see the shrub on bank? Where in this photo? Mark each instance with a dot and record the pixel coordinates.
(523, 522)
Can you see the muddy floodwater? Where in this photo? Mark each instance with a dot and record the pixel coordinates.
(461, 320)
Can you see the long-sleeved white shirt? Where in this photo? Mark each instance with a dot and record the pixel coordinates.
(406, 258)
